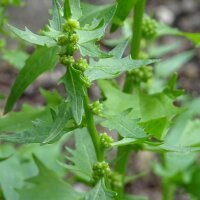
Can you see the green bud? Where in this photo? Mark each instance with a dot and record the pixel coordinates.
(81, 64)
(100, 169)
(106, 140)
(67, 60)
(115, 180)
(97, 107)
(62, 40)
(70, 25)
(149, 27)
(74, 38)
(86, 81)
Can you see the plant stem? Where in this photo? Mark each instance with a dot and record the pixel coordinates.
(168, 190)
(92, 130)
(124, 152)
(136, 39)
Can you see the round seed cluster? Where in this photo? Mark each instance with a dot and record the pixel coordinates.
(106, 140)
(97, 107)
(149, 27)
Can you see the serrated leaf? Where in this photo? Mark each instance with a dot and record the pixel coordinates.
(74, 86)
(125, 126)
(112, 67)
(42, 60)
(32, 38)
(56, 22)
(16, 58)
(123, 9)
(47, 185)
(100, 192)
(85, 152)
(92, 50)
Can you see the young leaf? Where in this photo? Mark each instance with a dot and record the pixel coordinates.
(85, 152)
(74, 86)
(72, 9)
(47, 185)
(32, 38)
(112, 67)
(56, 22)
(42, 60)
(123, 9)
(125, 126)
(100, 192)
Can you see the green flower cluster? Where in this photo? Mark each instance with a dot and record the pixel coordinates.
(142, 74)
(68, 42)
(115, 180)
(106, 140)
(100, 169)
(149, 27)
(97, 107)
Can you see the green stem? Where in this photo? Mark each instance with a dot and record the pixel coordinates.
(168, 190)
(136, 40)
(124, 152)
(92, 130)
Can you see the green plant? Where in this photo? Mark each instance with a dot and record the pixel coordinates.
(140, 113)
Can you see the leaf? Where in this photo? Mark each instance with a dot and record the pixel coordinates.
(20, 121)
(98, 33)
(167, 67)
(126, 141)
(47, 185)
(67, 11)
(44, 131)
(32, 38)
(56, 22)
(74, 86)
(112, 67)
(92, 50)
(72, 9)
(98, 12)
(16, 58)
(42, 60)
(118, 51)
(85, 152)
(125, 126)
(134, 197)
(100, 192)
(123, 9)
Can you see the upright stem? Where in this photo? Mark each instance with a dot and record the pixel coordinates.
(168, 190)
(136, 39)
(92, 130)
(124, 152)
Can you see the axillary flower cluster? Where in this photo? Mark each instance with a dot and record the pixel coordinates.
(68, 42)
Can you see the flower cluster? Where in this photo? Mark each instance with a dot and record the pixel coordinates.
(115, 180)
(96, 107)
(106, 140)
(149, 27)
(100, 169)
(142, 74)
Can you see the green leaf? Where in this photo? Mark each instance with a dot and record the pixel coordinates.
(100, 192)
(32, 38)
(16, 58)
(74, 86)
(98, 12)
(47, 185)
(112, 67)
(72, 9)
(42, 60)
(92, 50)
(118, 51)
(125, 126)
(127, 141)
(85, 152)
(123, 9)
(134, 197)
(56, 22)
(20, 121)
(44, 131)
(168, 67)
